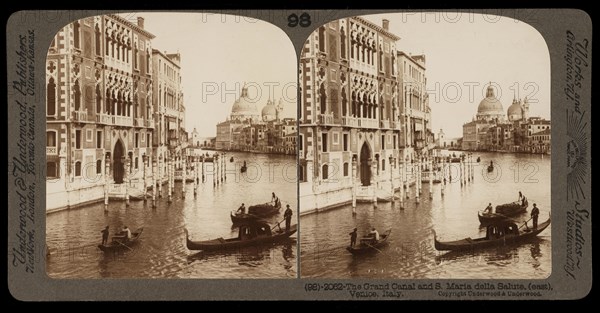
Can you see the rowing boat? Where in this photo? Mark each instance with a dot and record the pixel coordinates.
(367, 245)
(119, 242)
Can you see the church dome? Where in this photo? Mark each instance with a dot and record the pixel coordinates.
(515, 111)
(490, 107)
(243, 108)
(269, 109)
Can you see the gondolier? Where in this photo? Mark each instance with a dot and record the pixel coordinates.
(288, 217)
(489, 209)
(104, 235)
(353, 236)
(535, 212)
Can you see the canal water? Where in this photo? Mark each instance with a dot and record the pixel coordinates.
(410, 252)
(73, 235)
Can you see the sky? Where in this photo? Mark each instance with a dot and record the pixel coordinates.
(219, 53)
(464, 53)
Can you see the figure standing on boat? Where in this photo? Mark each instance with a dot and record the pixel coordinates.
(104, 235)
(242, 209)
(288, 217)
(520, 196)
(274, 199)
(353, 236)
(535, 212)
(489, 209)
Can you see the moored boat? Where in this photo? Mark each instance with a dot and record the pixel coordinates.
(367, 245)
(265, 209)
(513, 208)
(499, 233)
(249, 234)
(489, 218)
(119, 242)
(237, 218)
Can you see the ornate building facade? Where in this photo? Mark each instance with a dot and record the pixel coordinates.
(351, 118)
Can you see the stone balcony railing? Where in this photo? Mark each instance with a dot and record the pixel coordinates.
(139, 122)
(396, 125)
(150, 123)
(51, 151)
(326, 119)
(80, 116)
(384, 124)
(104, 119)
(368, 123)
(122, 120)
(349, 121)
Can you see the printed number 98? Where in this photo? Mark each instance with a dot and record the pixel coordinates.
(303, 20)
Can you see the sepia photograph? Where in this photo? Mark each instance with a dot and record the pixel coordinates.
(424, 148)
(171, 148)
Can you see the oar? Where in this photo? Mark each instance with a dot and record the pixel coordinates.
(374, 247)
(278, 224)
(525, 224)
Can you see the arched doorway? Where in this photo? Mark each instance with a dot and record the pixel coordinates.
(365, 167)
(118, 169)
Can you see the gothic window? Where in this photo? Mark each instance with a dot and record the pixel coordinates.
(325, 170)
(98, 100)
(76, 33)
(343, 42)
(77, 95)
(77, 169)
(344, 103)
(50, 138)
(322, 39)
(323, 98)
(346, 169)
(99, 167)
(98, 41)
(51, 97)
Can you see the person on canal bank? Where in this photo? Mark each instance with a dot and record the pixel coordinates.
(241, 209)
(535, 212)
(104, 235)
(288, 218)
(353, 236)
(489, 209)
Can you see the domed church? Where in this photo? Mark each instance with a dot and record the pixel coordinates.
(244, 109)
(490, 108)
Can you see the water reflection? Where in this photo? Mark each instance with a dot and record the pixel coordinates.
(410, 252)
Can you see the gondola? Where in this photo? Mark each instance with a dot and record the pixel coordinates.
(119, 243)
(250, 234)
(238, 218)
(231, 160)
(499, 233)
(243, 168)
(512, 209)
(490, 168)
(367, 246)
(265, 209)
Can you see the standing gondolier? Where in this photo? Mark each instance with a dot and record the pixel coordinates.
(104, 235)
(535, 212)
(288, 218)
(353, 236)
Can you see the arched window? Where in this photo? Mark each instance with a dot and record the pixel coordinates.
(51, 97)
(76, 30)
(135, 55)
(346, 166)
(99, 167)
(300, 173)
(343, 42)
(50, 138)
(77, 168)
(51, 170)
(98, 40)
(325, 170)
(98, 100)
(77, 95)
(344, 103)
(322, 39)
(147, 61)
(323, 98)
(383, 164)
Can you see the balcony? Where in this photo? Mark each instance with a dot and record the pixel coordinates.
(326, 119)
(122, 120)
(396, 125)
(150, 123)
(349, 121)
(104, 119)
(368, 123)
(51, 151)
(384, 124)
(80, 116)
(139, 122)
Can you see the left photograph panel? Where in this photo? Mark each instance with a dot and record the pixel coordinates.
(171, 148)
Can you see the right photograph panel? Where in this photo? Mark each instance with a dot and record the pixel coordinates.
(424, 148)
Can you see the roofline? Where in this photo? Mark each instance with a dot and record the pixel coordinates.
(165, 56)
(132, 25)
(377, 27)
(402, 53)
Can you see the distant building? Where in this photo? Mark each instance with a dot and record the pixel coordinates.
(247, 130)
(443, 142)
(513, 132)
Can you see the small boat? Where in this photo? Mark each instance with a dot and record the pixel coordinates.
(265, 209)
(366, 244)
(478, 159)
(231, 160)
(119, 242)
(499, 233)
(513, 208)
(238, 218)
(250, 234)
(490, 168)
(244, 168)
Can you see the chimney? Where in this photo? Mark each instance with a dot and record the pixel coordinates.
(385, 22)
(140, 22)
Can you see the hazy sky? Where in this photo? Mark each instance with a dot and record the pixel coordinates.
(218, 54)
(468, 49)
(464, 52)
